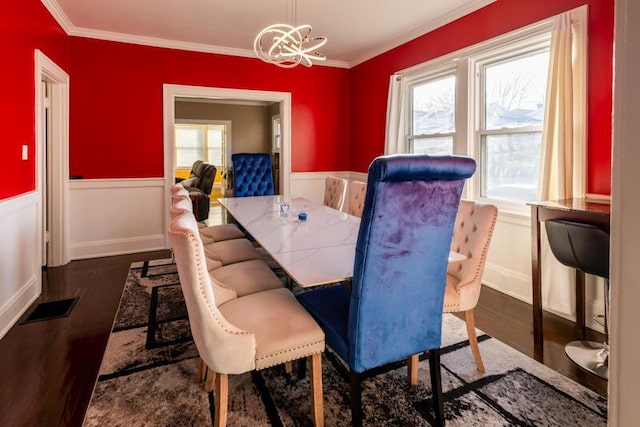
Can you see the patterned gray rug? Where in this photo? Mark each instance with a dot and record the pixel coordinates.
(150, 380)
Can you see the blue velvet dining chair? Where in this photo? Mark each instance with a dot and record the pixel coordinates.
(394, 307)
(252, 174)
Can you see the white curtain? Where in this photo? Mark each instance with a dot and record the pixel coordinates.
(557, 160)
(395, 134)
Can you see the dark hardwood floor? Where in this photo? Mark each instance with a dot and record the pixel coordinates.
(48, 369)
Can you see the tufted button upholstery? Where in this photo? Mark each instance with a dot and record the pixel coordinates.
(235, 334)
(394, 306)
(471, 237)
(252, 174)
(357, 191)
(335, 190)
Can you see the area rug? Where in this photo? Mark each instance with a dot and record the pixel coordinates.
(150, 381)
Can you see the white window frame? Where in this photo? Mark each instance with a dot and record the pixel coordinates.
(467, 122)
(477, 63)
(434, 75)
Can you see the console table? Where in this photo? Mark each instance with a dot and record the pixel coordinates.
(580, 210)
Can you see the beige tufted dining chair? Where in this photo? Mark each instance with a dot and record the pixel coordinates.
(235, 335)
(335, 191)
(357, 191)
(472, 233)
(212, 233)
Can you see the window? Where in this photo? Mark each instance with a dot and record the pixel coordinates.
(433, 115)
(512, 92)
(200, 142)
(488, 102)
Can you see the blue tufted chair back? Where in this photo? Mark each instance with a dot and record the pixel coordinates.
(401, 257)
(252, 175)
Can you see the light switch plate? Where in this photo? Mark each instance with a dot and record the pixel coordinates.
(25, 152)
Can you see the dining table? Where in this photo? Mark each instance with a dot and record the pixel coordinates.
(313, 243)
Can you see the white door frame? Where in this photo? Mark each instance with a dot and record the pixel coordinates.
(59, 235)
(171, 92)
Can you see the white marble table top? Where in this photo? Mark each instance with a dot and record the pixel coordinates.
(317, 251)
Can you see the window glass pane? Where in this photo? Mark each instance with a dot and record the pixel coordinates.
(442, 145)
(186, 156)
(434, 106)
(515, 91)
(214, 142)
(189, 137)
(512, 163)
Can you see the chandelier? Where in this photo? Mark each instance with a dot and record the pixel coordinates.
(287, 45)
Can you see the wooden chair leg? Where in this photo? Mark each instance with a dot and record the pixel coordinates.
(316, 390)
(221, 399)
(473, 340)
(412, 369)
(211, 377)
(288, 367)
(356, 399)
(436, 386)
(202, 370)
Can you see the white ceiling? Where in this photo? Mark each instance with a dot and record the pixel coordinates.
(356, 29)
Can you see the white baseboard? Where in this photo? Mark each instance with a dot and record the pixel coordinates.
(104, 248)
(518, 286)
(11, 311)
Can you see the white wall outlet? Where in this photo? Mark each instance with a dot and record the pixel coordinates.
(25, 152)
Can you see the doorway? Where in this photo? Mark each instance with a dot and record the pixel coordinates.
(52, 160)
(173, 92)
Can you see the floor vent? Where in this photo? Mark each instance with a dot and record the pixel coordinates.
(51, 310)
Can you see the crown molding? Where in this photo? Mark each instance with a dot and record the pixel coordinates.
(58, 14)
(423, 29)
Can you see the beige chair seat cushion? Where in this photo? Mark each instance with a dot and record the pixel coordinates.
(282, 328)
(219, 233)
(229, 252)
(247, 277)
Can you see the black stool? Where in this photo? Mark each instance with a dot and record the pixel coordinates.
(584, 247)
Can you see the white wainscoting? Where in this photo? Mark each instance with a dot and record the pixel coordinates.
(20, 272)
(116, 216)
(311, 184)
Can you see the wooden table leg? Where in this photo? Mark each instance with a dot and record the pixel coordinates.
(536, 289)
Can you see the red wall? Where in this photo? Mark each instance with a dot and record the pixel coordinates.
(116, 105)
(116, 93)
(24, 26)
(370, 80)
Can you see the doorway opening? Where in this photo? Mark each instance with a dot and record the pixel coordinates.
(194, 94)
(52, 160)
